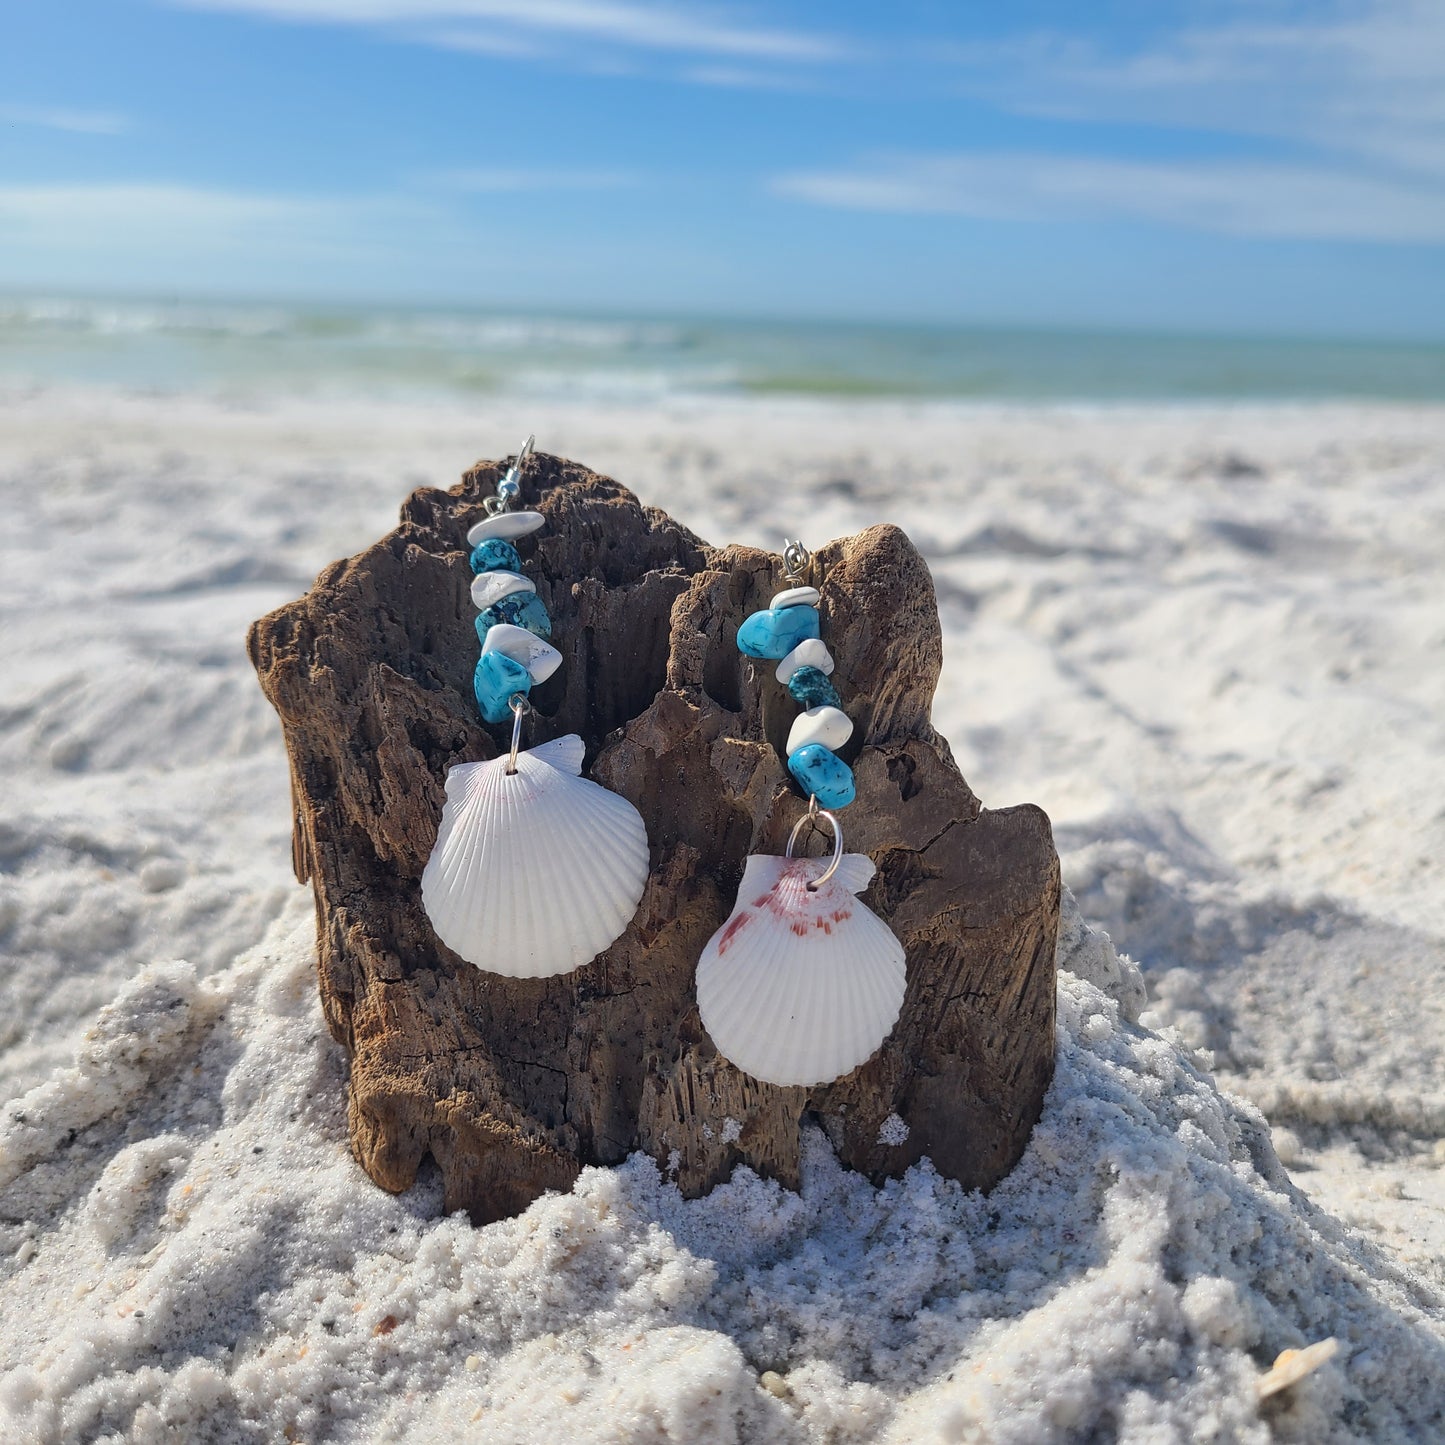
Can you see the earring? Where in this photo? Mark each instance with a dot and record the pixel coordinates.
(802, 983)
(536, 869)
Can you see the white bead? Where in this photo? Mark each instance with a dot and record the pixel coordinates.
(490, 587)
(811, 652)
(535, 653)
(505, 524)
(830, 726)
(797, 597)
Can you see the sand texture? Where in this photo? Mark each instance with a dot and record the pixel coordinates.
(1209, 642)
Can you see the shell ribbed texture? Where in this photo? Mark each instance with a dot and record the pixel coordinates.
(791, 1007)
(537, 872)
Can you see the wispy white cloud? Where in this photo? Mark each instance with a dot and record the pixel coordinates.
(740, 77)
(120, 222)
(79, 122)
(481, 42)
(421, 245)
(149, 206)
(1360, 77)
(501, 181)
(473, 24)
(1240, 198)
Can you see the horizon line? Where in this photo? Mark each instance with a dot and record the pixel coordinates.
(1162, 331)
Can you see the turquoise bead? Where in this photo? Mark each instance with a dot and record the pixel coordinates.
(521, 609)
(776, 631)
(823, 775)
(492, 554)
(810, 687)
(497, 678)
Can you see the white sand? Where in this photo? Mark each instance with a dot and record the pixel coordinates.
(1210, 642)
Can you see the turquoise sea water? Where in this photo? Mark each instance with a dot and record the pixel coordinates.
(231, 346)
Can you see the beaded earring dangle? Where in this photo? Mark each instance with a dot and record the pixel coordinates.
(536, 869)
(802, 983)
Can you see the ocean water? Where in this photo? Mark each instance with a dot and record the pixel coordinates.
(235, 347)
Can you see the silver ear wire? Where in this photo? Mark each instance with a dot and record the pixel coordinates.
(797, 562)
(510, 487)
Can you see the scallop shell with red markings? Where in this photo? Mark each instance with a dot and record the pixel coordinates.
(801, 985)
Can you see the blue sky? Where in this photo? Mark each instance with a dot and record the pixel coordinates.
(1237, 165)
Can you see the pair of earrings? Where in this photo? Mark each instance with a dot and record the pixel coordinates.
(801, 983)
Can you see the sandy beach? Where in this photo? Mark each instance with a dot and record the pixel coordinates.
(1208, 640)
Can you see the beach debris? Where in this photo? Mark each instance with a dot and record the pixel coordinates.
(1291, 1366)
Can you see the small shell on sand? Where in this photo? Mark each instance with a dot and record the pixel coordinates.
(1292, 1366)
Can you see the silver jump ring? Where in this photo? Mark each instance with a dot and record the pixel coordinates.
(520, 708)
(797, 561)
(811, 816)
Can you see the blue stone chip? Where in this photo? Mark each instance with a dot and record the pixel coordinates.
(521, 609)
(497, 678)
(492, 554)
(824, 775)
(776, 631)
(811, 688)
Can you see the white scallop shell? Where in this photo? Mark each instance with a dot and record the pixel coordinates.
(490, 587)
(535, 872)
(801, 987)
(506, 525)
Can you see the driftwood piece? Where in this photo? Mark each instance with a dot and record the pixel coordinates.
(513, 1085)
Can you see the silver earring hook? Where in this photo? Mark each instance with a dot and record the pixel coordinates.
(812, 816)
(797, 561)
(510, 487)
(528, 447)
(520, 708)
